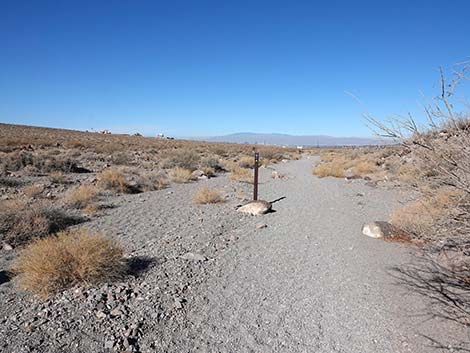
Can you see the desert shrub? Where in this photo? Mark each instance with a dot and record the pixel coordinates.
(10, 182)
(241, 174)
(182, 158)
(427, 217)
(206, 195)
(246, 162)
(365, 167)
(208, 171)
(212, 162)
(334, 169)
(57, 177)
(20, 222)
(110, 148)
(82, 196)
(66, 259)
(408, 173)
(120, 158)
(152, 181)
(181, 175)
(272, 154)
(114, 180)
(42, 163)
(33, 190)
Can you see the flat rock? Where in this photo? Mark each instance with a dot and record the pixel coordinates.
(256, 207)
(193, 257)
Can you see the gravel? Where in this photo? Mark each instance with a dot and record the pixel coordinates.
(206, 278)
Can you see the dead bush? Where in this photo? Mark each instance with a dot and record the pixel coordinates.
(430, 216)
(206, 195)
(20, 222)
(334, 169)
(66, 259)
(241, 174)
(33, 191)
(246, 162)
(114, 180)
(152, 182)
(57, 177)
(181, 175)
(82, 196)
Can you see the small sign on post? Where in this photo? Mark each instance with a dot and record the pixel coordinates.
(255, 183)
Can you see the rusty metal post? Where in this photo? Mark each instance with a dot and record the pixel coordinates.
(255, 184)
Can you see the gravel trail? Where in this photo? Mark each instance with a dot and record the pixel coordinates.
(310, 281)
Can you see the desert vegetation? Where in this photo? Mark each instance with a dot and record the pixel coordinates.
(206, 195)
(68, 258)
(52, 179)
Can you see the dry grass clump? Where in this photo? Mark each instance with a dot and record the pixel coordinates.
(152, 182)
(68, 258)
(426, 218)
(208, 171)
(112, 179)
(33, 190)
(82, 196)
(241, 174)
(181, 175)
(57, 177)
(246, 162)
(21, 222)
(334, 169)
(207, 195)
(365, 167)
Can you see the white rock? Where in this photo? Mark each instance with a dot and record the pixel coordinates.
(256, 207)
(193, 257)
(378, 229)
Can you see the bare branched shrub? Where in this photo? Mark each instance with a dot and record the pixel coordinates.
(206, 195)
(68, 258)
(440, 150)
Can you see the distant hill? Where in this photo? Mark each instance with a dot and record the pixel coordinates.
(294, 140)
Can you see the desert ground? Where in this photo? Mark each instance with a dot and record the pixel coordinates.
(196, 275)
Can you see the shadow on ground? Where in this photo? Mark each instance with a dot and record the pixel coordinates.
(140, 264)
(445, 281)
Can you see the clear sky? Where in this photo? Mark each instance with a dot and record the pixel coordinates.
(199, 68)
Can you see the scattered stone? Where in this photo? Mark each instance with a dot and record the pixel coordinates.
(193, 257)
(254, 208)
(7, 247)
(261, 226)
(100, 315)
(379, 229)
(109, 344)
(350, 175)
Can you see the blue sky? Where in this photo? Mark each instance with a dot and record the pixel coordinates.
(199, 68)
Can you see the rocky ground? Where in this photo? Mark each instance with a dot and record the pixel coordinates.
(208, 279)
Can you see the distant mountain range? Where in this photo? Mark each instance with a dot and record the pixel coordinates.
(294, 140)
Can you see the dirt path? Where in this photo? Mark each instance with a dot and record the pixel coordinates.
(310, 281)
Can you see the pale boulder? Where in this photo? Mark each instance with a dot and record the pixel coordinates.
(256, 207)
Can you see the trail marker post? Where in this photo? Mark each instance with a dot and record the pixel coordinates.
(255, 183)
